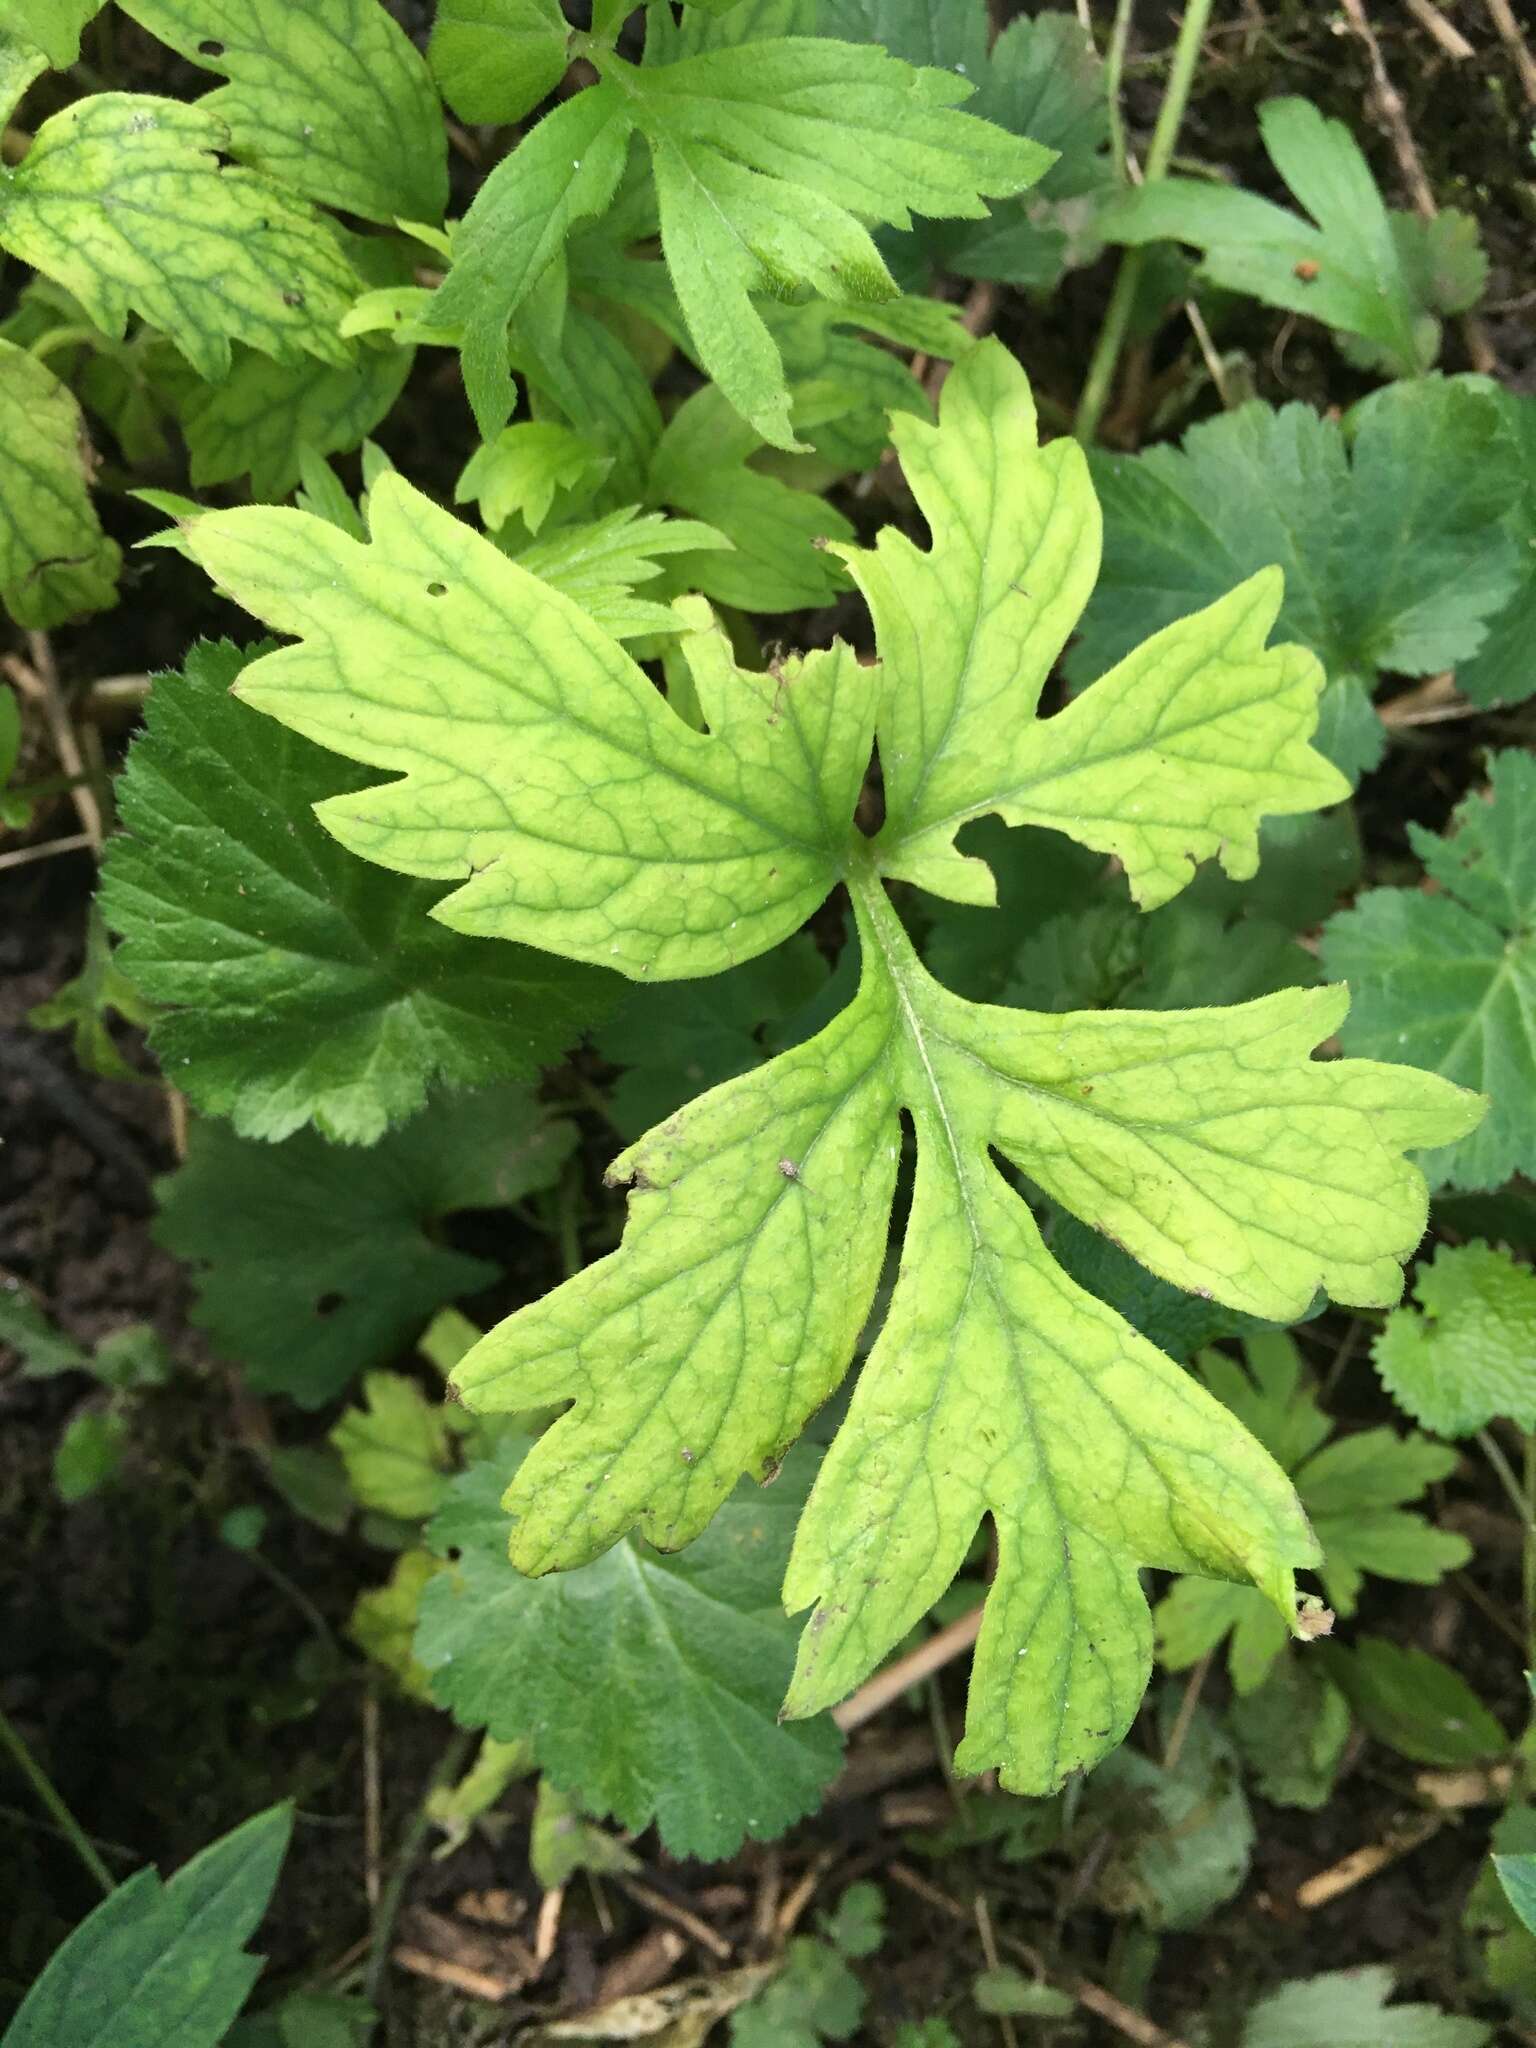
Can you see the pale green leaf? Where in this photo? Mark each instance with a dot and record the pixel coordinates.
(1467, 1352)
(259, 420)
(520, 472)
(693, 1650)
(55, 561)
(311, 1262)
(514, 234)
(207, 251)
(21, 63)
(1390, 537)
(1449, 981)
(769, 158)
(631, 814)
(1209, 1143)
(599, 563)
(777, 561)
(1517, 1875)
(1346, 270)
(307, 987)
(54, 26)
(395, 1448)
(1172, 758)
(562, 1841)
(162, 1965)
(328, 97)
(494, 60)
(1350, 2009)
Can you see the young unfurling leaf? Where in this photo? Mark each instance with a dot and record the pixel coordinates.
(540, 769)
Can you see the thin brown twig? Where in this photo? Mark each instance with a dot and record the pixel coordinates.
(1178, 1734)
(23, 856)
(38, 678)
(1509, 33)
(373, 1848)
(1404, 148)
(1133, 2025)
(1449, 37)
(680, 1916)
(1360, 1864)
(876, 1693)
(1393, 113)
(789, 1913)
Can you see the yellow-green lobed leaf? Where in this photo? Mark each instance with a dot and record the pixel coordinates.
(123, 200)
(1210, 1144)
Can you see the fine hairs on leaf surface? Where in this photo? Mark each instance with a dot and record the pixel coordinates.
(539, 769)
(694, 1652)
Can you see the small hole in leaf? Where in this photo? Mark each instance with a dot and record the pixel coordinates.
(328, 1304)
(210, 47)
(437, 590)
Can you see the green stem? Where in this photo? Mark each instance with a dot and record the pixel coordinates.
(1114, 71)
(1165, 135)
(1506, 1476)
(390, 1898)
(64, 337)
(43, 1786)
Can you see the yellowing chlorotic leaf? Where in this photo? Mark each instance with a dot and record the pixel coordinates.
(123, 200)
(1209, 1143)
(1172, 758)
(329, 97)
(52, 26)
(55, 561)
(541, 769)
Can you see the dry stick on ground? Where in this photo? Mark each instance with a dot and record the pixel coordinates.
(1179, 1732)
(1395, 116)
(680, 1916)
(877, 1693)
(373, 1851)
(989, 1950)
(1361, 1864)
(39, 680)
(1125, 2020)
(1450, 38)
(23, 856)
(1503, 17)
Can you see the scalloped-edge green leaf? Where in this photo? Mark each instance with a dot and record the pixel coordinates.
(1448, 981)
(311, 1262)
(302, 985)
(1467, 1352)
(694, 1653)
